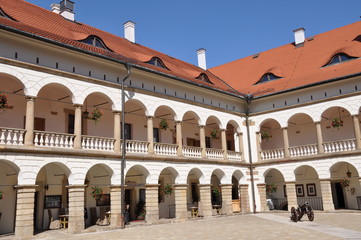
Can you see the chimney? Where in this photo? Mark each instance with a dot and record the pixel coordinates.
(299, 36)
(55, 8)
(202, 58)
(67, 9)
(129, 31)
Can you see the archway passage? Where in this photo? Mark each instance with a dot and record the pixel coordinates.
(166, 194)
(236, 192)
(193, 194)
(276, 190)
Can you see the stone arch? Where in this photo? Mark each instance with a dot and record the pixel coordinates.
(14, 74)
(63, 83)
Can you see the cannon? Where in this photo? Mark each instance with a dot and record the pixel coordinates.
(297, 213)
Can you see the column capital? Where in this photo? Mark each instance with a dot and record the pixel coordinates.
(117, 112)
(290, 182)
(178, 122)
(325, 179)
(30, 98)
(239, 133)
(149, 117)
(243, 185)
(223, 129)
(225, 185)
(284, 128)
(261, 184)
(355, 115)
(204, 185)
(201, 126)
(78, 105)
(151, 185)
(115, 186)
(75, 186)
(318, 122)
(25, 186)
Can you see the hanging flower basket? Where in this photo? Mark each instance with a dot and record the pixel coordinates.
(271, 187)
(4, 102)
(96, 115)
(168, 190)
(163, 124)
(214, 133)
(345, 183)
(336, 123)
(1, 194)
(265, 136)
(97, 193)
(216, 190)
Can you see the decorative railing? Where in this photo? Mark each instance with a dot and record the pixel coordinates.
(97, 143)
(314, 202)
(339, 146)
(190, 151)
(165, 149)
(272, 154)
(304, 150)
(133, 146)
(235, 156)
(213, 153)
(12, 136)
(52, 139)
(279, 203)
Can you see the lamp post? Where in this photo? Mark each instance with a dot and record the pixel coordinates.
(122, 190)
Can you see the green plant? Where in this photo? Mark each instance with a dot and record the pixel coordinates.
(1, 194)
(265, 136)
(3, 101)
(216, 190)
(336, 123)
(214, 133)
(345, 183)
(271, 187)
(163, 124)
(168, 189)
(140, 208)
(97, 193)
(96, 115)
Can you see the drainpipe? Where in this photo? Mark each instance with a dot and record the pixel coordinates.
(249, 98)
(122, 190)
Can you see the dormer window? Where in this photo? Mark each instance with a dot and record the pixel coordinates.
(340, 57)
(267, 78)
(157, 62)
(95, 41)
(4, 15)
(203, 77)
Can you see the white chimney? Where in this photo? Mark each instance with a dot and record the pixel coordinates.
(299, 36)
(202, 58)
(55, 8)
(129, 31)
(67, 9)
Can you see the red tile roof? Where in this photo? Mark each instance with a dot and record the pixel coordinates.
(298, 66)
(46, 24)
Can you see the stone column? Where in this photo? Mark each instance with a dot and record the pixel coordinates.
(180, 195)
(262, 197)
(319, 138)
(29, 121)
(117, 131)
(77, 126)
(291, 195)
(151, 203)
(205, 201)
(150, 134)
(356, 127)
(244, 197)
(240, 142)
(76, 208)
(116, 206)
(286, 142)
(24, 226)
(258, 145)
(227, 207)
(224, 143)
(179, 137)
(326, 194)
(202, 138)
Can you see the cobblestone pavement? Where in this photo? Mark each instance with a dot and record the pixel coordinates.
(260, 226)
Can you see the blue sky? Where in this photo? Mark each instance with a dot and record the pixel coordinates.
(228, 29)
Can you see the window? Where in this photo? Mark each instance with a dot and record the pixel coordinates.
(208, 142)
(204, 78)
(157, 62)
(71, 121)
(268, 77)
(338, 58)
(128, 131)
(155, 134)
(95, 41)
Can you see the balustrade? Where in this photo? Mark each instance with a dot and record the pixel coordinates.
(165, 149)
(190, 151)
(98, 143)
(304, 150)
(235, 156)
(133, 146)
(272, 154)
(339, 146)
(213, 153)
(51, 139)
(12, 136)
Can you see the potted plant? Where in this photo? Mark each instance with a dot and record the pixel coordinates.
(271, 187)
(265, 136)
(140, 210)
(214, 133)
(1, 194)
(336, 123)
(97, 193)
(4, 103)
(216, 190)
(168, 190)
(96, 115)
(163, 124)
(345, 183)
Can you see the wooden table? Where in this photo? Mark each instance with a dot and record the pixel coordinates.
(64, 220)
(194, 211)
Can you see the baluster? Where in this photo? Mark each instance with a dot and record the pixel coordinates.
(42, 139)
(56, 140)
(21, 137)
(353, 144)
(66, 143)
(91, 143)
(83, 143)
(8, 139)
(36, 139)
(2, 137)
(15, 137)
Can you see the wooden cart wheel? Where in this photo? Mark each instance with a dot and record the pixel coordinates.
(310, 213)
(294, 214)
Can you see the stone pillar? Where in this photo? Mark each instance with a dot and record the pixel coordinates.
(319, 138)
(76, 208)
(356, 127)
(77, 126)
(150, 134)
(24, 226)
(116, 206)
(202, 138)
(291, 195)
(205, 201)
(179, 137)
(326, 194)
(286, 142)
(227, 207)
(240, 142)
(224, 143)
(117, 131)
(180, 195)
(29, 121)
(151, 203)
(262, 197)
(244, 197)
(258, 145)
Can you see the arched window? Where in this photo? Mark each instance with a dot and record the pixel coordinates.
(95, 41)
(268, 77)
(157, 62)
(338, 58)
(203, 77)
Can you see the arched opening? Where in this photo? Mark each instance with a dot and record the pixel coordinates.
(271, 135)
(216, 191)
(166, 194)
(135, 121)
(193, 194)
(275, 190)
(213, 134)
(236, 193)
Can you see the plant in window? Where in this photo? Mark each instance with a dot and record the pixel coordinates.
(1, 194)
(96, 115)
(214, 133)
(345, 183)
(168, 190)
(140, 209)
(216, 190)
(265, 136)
(4, 102)
(336, 123)
(97, 193)
(271, 187)
(163, 124)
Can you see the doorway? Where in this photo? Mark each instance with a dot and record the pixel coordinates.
(338, 195)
